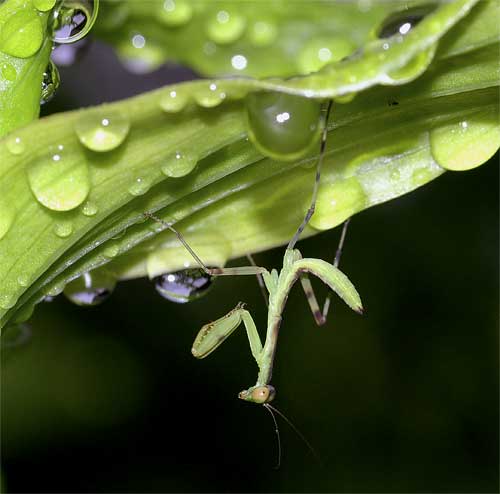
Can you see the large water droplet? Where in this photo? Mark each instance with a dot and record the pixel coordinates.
(59, 180)
(91, 288)
(44, 5)
(63, 229)
(74, 20)
(174, 101)
(175, 13)
(102, 130)
(15, 144)
(179, 165)
(402, 22)
(21, 33)
(50, 83)
(225, 27)
(282, 126)
(209, 95)
(183, 286)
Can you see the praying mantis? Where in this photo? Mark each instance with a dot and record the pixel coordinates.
(277, 286)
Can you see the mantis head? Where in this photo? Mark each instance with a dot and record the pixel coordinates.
(258, 394)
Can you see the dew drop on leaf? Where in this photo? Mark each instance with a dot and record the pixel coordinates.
(209, 95)
(175, 13)
(21, 33)
(103, 130)
(63, 229)
(89, 209)
(400, 23)
(282, 126)
(174, 101)
(225, 27)
(318, 52)
(23, 280)
(15, 145)
(179, 165)
(140, 186)
(91, 288)
(74, 20)
(58, 179)
(44, 5)
(111, 250)
(50, 83)
(183, 286)
(7, 300)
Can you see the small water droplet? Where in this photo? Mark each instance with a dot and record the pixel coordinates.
(102, 130)
(282, 126)
(209, 95)
(111, 250)
(7, 300)
(89, 209)
(60, 179)
(23, 280)
(50, 83)
(8, 71)
(15, 145)
(263, 33)
(183, 286)
(74, 20)
(225, 27)
(21, 33)
(90, 289)
(140, 186)
(54, 290)
(63, 229)
(400, 23)
(319, 52)
(179, 165)
(43, 5)
(173, 101)
(395, 175)
(174, 13)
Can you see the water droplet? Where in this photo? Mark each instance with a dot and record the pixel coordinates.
(400, 23)
(111, 250)
(90, 289)
(179, 165)
(7, 300)
(89, 209)
(7, 215)
(44, 5)
(74, 20)
(23, 280)
(173, 101)
(466, 144)
(54, 290)
(395, 175)
(50, 83)
(183, 286)
(338, 201)
(282, 126)
(140, 186)
(209, 95)
(421, 176)
(21, 33)
(59, 180)
(8, 71)
(225, 27)
(63, 229)
(321, 51)
(102, 130)
(15, 145)
(262, 33)
(175, 13)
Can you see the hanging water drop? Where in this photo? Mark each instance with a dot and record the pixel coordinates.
(174, 13)
(74, 20)
(402, 22)
(283, 126)
(225, 27)
(50, 83)
(102, 130)
(90, 289)
(21, 33)
(183, 286)
(179, 165)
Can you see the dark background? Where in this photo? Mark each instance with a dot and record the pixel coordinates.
(404, 399)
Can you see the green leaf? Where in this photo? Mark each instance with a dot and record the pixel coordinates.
(189, 160)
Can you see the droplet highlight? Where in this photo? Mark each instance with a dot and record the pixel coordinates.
(402, 22)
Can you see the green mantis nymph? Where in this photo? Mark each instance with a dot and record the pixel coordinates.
(278, 286)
